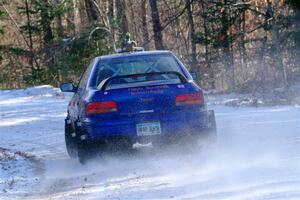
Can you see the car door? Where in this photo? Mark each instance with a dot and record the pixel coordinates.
(78, 99)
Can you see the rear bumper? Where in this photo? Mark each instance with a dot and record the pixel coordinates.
(172, 124)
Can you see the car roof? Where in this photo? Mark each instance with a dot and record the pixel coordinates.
(133, 53)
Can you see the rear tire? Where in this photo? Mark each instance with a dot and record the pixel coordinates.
(84, 152)
(71, 143)
(211, 132)
(206, 137)
(209, 135)
(88, 150)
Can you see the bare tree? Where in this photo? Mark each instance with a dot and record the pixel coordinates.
(207, 57)
(226, 44)
(144, 23)
(46, 22)
(276, 39)
(111, 16)
(157, 28)
(70, 16)
(189, 5)
(58, 20)
(29, 35)
(121, 16)
(91, 10)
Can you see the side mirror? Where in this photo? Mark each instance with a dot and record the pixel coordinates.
(194, 75)
(67, 87)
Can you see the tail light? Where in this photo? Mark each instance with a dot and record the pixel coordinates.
(101, 107)
(190, 99)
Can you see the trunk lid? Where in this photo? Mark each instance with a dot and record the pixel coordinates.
(143, 100)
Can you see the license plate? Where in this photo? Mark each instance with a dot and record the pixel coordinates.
(148, 128)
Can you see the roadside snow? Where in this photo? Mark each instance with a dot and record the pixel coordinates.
(256, 157)
(44, 90)
(278, 96)
(27, 128)
(16, 170)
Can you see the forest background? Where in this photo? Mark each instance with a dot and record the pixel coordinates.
(233, 45)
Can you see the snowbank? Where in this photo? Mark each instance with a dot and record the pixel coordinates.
(37, 91)
(278, 96)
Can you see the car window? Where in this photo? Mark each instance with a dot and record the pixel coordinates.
(137, 65)
(85, 76)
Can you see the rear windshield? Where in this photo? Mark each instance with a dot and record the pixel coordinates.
(137, 65)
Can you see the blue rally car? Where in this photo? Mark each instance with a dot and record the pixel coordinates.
(134, 97)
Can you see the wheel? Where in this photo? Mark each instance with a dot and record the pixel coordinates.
(211, 132)
(71, 143)
(209, 135)
(203, 138)
(84, 152)
(88, 150)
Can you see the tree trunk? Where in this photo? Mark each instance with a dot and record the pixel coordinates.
(58, 20)
(111, 9)
(111, 15)
(207, 57)
(121, 17)
(29, 36)
(297, 26)
(276, 40)
(263, 68)
(144, 24)
(157, 29)
(134, 30)
(46, 23)
(194, 63)
(227, 57)
(82, 15)
(92, 10)
(71, 16)
(242, 44)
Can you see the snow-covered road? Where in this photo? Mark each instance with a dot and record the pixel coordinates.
(257, 156)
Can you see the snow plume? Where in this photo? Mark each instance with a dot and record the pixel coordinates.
(256, 157)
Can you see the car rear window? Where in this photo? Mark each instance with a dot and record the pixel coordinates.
(137, 65)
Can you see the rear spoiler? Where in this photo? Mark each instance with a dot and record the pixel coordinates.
(102, 86)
